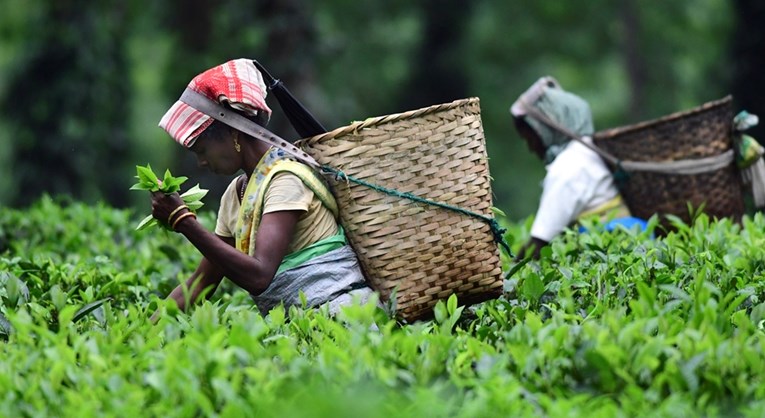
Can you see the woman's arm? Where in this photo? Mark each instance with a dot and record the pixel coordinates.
(205, 278)
(251, 273)
(532, 249)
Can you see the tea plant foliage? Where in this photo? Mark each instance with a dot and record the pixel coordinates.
(605, 324)
(148, 180)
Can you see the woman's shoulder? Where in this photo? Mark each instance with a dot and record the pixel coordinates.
(287, 178)
(577, 157)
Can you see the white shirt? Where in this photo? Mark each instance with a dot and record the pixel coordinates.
(576, 181)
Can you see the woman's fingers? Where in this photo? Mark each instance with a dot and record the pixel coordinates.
(162, 205)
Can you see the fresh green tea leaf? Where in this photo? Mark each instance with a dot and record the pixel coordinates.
(90, 307)
(147, 222)
(148, 181)
(194, 194)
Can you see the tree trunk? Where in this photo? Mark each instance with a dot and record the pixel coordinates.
(289, 55)
(634, 61)
(748, 59)
(438, 74)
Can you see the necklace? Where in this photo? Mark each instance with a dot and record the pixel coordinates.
(244, 186)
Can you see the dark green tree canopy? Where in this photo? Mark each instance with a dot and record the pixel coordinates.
(83, 86)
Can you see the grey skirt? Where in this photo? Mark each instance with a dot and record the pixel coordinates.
(333, 278)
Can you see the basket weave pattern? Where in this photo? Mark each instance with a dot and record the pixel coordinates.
(704, 131)
(424, 252)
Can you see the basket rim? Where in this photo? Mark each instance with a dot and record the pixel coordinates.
(372, 121)
(612, 132)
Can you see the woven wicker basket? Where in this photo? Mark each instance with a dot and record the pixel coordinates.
(704, 131)
(423, 252)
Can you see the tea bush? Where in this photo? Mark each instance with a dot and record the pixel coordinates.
(605, 324)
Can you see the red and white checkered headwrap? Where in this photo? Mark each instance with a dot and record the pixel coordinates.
(237, 83)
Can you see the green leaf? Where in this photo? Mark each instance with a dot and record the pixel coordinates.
(5, 326)
(65, 315)
(147, 176)
(533, 287)
(194, 206)
(90, 307)
(146, 222)
(451, 304)
(169, 184)
(172, 184)
(497, 211)
(533, 321)
(517, 266)
(439, 312)
(193, 194)
(13, 291)
(688, 370)
(601, 365)
(676, 292)
(140, 186)
(58, 297)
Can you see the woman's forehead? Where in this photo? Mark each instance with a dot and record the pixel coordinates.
(208, 136)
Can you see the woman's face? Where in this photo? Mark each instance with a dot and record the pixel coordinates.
(533, 141)
(215, 151)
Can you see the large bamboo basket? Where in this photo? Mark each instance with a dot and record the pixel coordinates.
(704, 131)
(423, 252)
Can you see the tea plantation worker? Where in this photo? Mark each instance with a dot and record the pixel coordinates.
(276, 232)
(577, 183)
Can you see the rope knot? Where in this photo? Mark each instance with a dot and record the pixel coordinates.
(499, 234)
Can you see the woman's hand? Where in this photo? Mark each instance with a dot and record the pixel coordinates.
(532, 249)
(163, 205)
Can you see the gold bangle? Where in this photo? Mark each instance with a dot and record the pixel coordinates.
(176, 210)
(185, 215)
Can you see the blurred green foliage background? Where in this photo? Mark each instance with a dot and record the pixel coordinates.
(83, 84)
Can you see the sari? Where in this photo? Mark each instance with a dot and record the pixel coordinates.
(327, 271)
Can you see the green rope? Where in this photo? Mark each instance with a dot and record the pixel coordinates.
(496, 230)
(621, 176)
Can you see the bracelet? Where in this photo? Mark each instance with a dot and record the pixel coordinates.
(176, 210)
(185, 215)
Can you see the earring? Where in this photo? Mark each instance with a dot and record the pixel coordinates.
(237, 147)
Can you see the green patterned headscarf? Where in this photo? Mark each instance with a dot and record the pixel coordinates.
(568, 110)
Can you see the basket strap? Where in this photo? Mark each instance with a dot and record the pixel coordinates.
(537, 114)
(685, 167)
(497, 231)
(214, 110)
